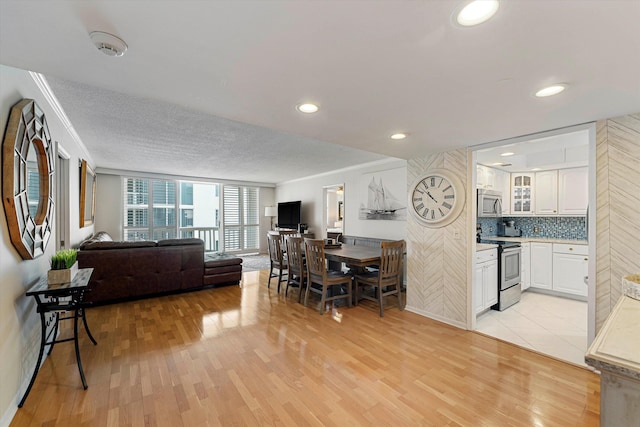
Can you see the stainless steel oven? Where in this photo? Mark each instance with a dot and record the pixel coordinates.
(509, 259)
(489, 203)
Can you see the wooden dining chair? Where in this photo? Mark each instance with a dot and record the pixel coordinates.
(297, 276)
(324, 280)
(277, 259)
(387, 280)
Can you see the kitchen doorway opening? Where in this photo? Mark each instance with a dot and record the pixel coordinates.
(546, 186)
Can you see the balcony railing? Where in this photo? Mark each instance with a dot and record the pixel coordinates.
(210, 236)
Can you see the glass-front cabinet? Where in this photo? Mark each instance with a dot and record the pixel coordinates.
(521, 194)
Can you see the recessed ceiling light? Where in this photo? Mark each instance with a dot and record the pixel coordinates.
(307, 108)
(536, 169)
(498, 164)
(507, 154)
(551, 90)
(108, 44)
(398, 136)
(477, 12)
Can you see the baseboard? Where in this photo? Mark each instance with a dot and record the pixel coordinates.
(432, 316)
(8, 415)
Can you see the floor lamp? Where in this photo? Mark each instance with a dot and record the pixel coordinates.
(270, 211)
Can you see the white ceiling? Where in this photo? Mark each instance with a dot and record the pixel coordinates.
(566, 150)
(208, 88)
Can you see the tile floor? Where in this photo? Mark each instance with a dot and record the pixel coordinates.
(550, 325)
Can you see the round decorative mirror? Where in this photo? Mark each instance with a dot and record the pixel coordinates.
(33, 179)
(27, 169)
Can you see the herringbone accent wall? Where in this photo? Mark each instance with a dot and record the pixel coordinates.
(617, 208)
(437, 263)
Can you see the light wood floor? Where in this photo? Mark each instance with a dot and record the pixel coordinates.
(248, 356)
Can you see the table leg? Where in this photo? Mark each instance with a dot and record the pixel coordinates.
(75, 340)
(43, 340)
(56, 316)
(86, 326)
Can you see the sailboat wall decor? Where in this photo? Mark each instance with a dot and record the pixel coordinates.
(384, 197)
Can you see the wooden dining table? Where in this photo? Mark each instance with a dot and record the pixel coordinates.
(354, 256)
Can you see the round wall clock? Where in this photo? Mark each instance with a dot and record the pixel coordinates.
(436, 198)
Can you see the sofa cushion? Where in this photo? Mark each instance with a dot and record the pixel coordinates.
(180, 242)
(118, 245)
(220, 260)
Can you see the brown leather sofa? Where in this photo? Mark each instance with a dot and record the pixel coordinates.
(128, 270)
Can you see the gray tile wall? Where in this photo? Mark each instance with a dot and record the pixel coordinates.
(559, 227)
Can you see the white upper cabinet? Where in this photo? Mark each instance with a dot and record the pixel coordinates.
(552, 192)
(573, 191)
(485, 177)
(547, 193)
(522, 193)
(498, 180)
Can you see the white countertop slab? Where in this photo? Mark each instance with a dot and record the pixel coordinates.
(538, 239)
(485, 246)
(617, 345)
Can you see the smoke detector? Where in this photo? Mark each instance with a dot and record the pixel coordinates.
(108, 44)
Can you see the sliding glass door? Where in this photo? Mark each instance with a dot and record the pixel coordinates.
(156, 209)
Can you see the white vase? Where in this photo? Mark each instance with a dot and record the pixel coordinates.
(57, 277)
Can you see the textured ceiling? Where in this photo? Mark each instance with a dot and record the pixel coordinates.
(126, 132)
(208, 88)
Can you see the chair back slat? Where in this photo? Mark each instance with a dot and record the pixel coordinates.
(391, 258)
(275, 248)
(295, 255)
(316, 264)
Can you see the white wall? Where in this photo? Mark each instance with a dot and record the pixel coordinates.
(19, 322)
(309, 191)
(109, 205)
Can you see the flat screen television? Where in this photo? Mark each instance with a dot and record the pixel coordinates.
(289, 214)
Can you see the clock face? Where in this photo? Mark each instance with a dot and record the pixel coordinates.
(436, 199)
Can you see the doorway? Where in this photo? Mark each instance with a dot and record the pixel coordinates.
(333, 210)
(62, 199)
(550, 321)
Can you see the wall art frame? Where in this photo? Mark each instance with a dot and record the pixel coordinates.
(27, 154)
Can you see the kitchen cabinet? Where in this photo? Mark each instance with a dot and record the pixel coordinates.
(573, 191)
(485, 280)
(525, 266)
(502, 183)
(522, 193)
(570, 267)
(498, 180)
(486, 177)
(541, 267)
(546, 193)
(556, 192)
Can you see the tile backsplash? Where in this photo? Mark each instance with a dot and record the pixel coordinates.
(558, 227)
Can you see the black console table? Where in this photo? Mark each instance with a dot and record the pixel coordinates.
(60, 299)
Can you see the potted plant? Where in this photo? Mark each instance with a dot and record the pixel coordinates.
(64, 267)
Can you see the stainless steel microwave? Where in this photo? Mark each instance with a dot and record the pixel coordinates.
(489, 203)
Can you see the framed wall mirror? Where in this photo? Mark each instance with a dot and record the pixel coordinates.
(87, 194)
(28, 179)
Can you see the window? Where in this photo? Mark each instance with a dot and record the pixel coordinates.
(241, 218)
(136, 209)
(164, 209)
(199, 207)
(145, 222)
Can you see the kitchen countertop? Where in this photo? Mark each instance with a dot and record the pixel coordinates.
(538, 239)
(485, 246)
(617, 346)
